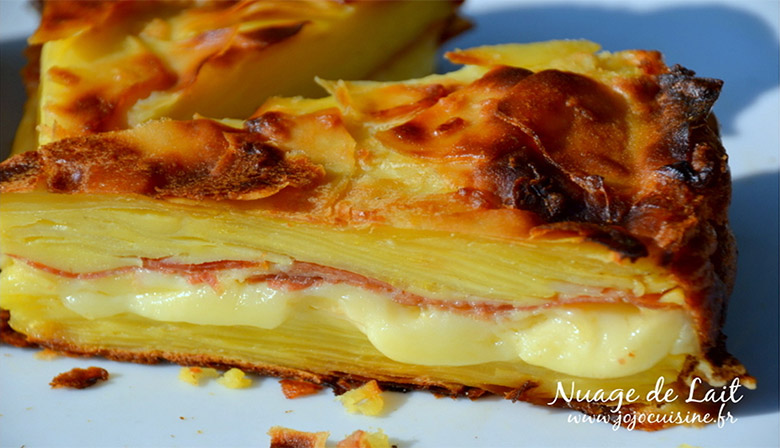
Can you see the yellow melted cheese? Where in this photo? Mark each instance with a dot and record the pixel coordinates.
(592, 341)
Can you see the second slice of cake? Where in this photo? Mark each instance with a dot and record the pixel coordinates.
(97, 66)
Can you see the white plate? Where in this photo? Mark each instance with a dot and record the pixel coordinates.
(148, 406)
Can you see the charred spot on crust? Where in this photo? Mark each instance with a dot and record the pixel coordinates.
(687, 103)
(695, 96)
(683, 171)
(273, 124)
(65, 179)
(249, 168)
(20, 172)
(410, 133)
(169, 177)
(84, 163)
(526, 182)
(705, 167)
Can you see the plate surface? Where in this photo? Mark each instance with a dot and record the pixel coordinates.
(145, 406)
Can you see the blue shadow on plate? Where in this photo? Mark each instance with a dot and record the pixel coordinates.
(715, 41)
(752, 319)
(12, 95)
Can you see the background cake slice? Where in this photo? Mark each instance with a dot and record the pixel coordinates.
(105, 65)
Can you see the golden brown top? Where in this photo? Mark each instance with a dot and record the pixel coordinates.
(615, 147)
(160, 159)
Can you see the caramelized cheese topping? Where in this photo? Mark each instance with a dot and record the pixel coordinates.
(510, 148)
(156, 161)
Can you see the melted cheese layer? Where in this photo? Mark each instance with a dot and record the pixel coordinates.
(592, 341)
(87, 233)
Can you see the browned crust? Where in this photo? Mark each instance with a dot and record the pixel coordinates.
(231, 165)
(687, 214)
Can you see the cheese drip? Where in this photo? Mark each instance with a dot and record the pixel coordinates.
(586, 340)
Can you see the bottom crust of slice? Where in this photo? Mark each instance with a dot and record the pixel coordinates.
(534, 388)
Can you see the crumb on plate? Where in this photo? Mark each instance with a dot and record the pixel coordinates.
(363, 439)
(296, 389)
(46, 354)
(282, 437)
(234, 379)
(366, 399)
(290, 438)
(77, 378)
(194, 375)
